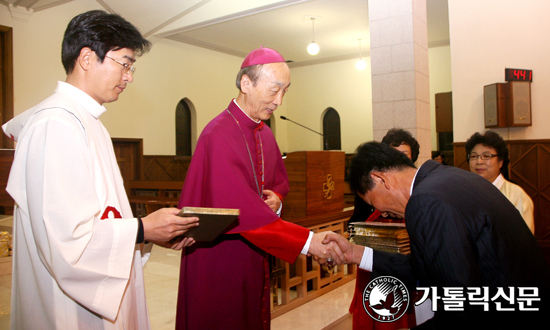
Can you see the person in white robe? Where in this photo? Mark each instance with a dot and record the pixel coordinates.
(78, 250)
(488, 156)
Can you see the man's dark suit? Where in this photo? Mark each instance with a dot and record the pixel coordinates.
(465, 233)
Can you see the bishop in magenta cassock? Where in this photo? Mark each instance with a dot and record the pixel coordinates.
(237, 164)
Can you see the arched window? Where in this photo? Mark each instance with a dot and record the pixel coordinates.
(183, 129)
(331, 130)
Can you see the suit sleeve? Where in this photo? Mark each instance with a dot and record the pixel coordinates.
(393, 264)
(280, 238)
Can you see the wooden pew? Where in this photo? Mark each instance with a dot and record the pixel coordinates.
(148, 196)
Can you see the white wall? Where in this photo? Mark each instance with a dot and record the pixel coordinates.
(172, 71)
(37, 51)
(146, 109)
(486, 37)
(338, 85)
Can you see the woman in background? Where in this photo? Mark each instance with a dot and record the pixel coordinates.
(488, 156)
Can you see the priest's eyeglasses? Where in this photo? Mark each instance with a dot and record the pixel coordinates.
(483, 156)
(128, 68)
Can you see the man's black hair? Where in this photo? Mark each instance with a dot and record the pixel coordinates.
(374, 156)
(101, 32)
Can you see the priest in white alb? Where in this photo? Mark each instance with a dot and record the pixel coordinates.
(78, 250)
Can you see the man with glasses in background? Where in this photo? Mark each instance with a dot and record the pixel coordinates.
(488, 156)
(78, 250)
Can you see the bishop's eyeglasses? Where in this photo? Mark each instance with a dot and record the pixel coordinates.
(483, 156)
(128, 68)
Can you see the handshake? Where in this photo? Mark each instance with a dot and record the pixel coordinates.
(329, 248)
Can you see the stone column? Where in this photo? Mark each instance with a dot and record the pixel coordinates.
(399, 65)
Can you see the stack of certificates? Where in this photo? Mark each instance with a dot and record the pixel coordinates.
(390, 237)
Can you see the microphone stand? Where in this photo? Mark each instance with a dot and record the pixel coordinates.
(324, 140)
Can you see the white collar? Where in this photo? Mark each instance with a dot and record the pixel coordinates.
(235, 101)
(412, 183)
(81, 97)
(499, 181)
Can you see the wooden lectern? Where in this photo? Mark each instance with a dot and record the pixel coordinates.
(316, 183)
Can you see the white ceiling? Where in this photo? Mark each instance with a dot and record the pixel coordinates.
(236, 27)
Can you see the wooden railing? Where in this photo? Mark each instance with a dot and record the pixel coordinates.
(295, 284)
(148, 196)
(292, 284)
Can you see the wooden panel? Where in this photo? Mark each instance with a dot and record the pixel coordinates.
(129, 154)
(444, 112)
(494, 97)
(165, 168)
(460, 159)
(529, 168)
(316, 181)
(6, 160)
(6, 82)
(325, 182)
(295, 202)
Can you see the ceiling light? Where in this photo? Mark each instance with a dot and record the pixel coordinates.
(313, 48)
(361, 64)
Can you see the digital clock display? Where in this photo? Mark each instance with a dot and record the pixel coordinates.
(518, 75)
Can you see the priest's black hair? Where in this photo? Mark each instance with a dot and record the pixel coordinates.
(101, 32)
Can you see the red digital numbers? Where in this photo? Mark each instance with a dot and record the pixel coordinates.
(518, 75)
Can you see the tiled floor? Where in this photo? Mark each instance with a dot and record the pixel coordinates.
(329, 311)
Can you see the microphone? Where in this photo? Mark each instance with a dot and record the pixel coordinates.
(324, 140)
